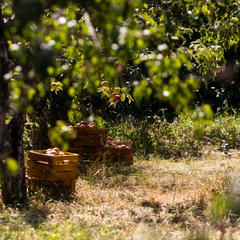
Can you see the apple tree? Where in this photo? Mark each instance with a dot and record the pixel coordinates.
(103, 46)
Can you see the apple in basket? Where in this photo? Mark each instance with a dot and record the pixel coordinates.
(123, 146)
(85, 123)
(114, 146)
(110, 139)
(51, 152)
(109, 142)
(56, 149)
(54, 152)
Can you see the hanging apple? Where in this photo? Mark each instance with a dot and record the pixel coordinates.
(54, 85)
(218, 69)
(117, 98)
(112, 96)
(117, 90)
(105, 83)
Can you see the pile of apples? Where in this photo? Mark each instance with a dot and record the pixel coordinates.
(54, 152)
(110, 142)
(85, 124)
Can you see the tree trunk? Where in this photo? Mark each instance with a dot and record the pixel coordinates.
(40, 139)
(4, 95)
(14, 187)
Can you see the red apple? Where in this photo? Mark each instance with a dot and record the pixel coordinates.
(56, 149)
(85, 123)
(105, 83)
(93, 126)
(114, 146)
(117, 98)
(108, 142)
(59, 60)
(109, 139)
(118, 66)
(55, 153)
(54, 85)
(122, 146)
(49, 150)
(218, 69)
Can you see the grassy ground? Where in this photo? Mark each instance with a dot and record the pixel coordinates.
(188, 196)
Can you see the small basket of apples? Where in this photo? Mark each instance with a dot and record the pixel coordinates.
(52, 169)
(118, 143)
(52, 164)
(85, 124)
(118, 153)
(88, 136)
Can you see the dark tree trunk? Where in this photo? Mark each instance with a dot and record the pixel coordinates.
(4, 95)
(14, 187)
(40, 139)
(59, 106)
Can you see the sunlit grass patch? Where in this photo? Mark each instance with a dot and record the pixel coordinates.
(185, 195)
(153, 198)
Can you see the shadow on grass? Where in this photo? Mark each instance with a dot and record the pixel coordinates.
(36, 215)
(108, 175)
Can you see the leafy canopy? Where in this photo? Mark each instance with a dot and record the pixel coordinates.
(157, 44)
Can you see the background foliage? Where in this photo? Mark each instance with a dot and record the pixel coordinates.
(162, 48)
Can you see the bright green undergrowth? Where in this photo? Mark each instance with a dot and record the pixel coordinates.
(179, 138)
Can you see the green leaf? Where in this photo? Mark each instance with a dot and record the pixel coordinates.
(71, 91)
(31, 93)
(100, 89)
(123, 97)
(12, 166)
(60, 84)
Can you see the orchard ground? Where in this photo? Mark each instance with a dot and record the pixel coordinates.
(185, 197)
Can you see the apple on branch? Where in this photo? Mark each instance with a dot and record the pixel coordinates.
(112, 96)
(54, 85)
(117, 98)
(105, 83)
(117, 90)
(218, 69)
(118, 65)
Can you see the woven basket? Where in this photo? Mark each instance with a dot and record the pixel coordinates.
(123, 141)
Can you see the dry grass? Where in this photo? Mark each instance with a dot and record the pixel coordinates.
(157, 199)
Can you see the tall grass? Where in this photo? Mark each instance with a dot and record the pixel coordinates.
(155, 135)
(187, 189)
